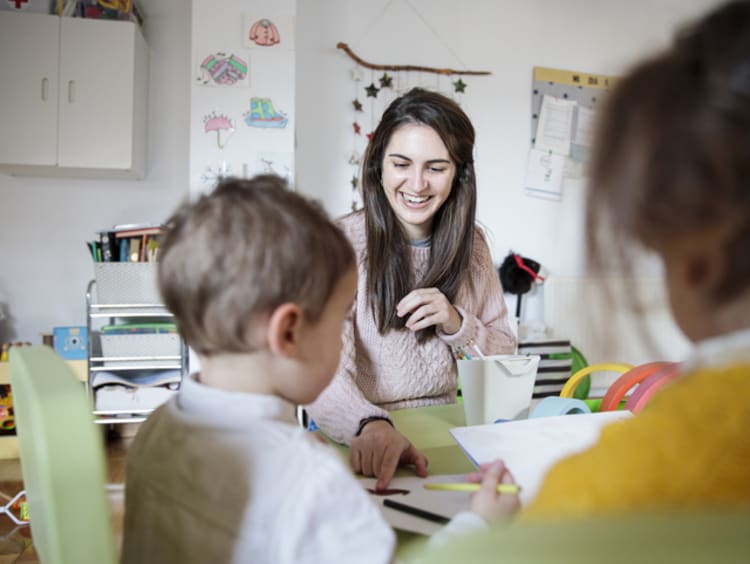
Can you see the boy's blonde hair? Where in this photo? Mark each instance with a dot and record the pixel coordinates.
(233, 256)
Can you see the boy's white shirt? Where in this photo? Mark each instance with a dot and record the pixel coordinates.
(305, 505)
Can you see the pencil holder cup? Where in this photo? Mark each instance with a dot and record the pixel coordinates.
(497, 388)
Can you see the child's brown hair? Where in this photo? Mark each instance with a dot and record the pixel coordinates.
(233, 256)
(672, 152)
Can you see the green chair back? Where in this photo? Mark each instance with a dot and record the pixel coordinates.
(62, 460)
(686, 537)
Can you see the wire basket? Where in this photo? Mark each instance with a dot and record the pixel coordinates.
(126, 283)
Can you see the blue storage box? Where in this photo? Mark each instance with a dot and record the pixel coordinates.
(71, 343)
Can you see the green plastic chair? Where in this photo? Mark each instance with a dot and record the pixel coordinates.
(684, 537)
(62, 460)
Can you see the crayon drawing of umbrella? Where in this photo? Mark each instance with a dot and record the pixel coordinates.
(222, 125)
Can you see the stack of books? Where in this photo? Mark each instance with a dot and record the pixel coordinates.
(127, 243)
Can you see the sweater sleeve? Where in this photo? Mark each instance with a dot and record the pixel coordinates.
(342, 405)
(687, 448)
(481, 305)
(461, 524)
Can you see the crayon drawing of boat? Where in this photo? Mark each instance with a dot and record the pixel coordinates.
(263, 114)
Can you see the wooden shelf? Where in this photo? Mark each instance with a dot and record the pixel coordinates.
(9, 443)
(79, 368)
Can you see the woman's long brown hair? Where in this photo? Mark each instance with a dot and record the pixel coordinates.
(388, 262)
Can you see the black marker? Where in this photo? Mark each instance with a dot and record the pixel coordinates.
(434, 517)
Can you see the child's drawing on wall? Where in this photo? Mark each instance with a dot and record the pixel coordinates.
(264, 33)
(223, 69)
(221, 125)
(263, 114)
(261, 31)
(280, 164)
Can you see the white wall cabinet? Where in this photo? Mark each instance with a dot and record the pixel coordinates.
(72, 97)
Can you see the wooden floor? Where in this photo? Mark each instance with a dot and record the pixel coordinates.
(16, 543)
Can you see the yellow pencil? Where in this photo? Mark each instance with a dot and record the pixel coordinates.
(466, 487)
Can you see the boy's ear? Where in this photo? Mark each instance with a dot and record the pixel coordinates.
(284, 329)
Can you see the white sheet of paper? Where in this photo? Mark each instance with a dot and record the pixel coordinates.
(531, 446)
(445, 503)
(544, 174)
(555, 125)
(583, 133)
(584, 129)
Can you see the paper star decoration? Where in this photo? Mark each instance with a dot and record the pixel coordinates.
(386, 81)
(459, 85)
(357, 105)
(369, 135)
(355, 158)
(357, 128)
(356, 73)
(372, 90)
(354, 181)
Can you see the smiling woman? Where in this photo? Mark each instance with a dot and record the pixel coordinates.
(427, 284)
(417, 177)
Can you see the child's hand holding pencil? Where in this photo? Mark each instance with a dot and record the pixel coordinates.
(470, 487)
(497, 493)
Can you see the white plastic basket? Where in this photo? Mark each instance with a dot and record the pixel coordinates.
(126, 283)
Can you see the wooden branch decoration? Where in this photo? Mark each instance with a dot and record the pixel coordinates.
(344, 47)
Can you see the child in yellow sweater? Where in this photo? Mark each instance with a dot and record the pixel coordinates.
(671, 172)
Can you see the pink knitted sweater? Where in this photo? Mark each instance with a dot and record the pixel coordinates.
(378, 373)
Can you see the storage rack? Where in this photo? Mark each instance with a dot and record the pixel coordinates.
(140, 306)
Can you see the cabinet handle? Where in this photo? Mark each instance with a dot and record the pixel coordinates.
(45, 89)
(71, 91)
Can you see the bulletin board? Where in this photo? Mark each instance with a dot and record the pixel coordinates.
(563, 106)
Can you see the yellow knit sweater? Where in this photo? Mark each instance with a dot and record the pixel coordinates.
(689, 448)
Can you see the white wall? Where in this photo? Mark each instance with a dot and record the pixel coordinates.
(44, 266)
(224, 26)
(44, 222)
(506, 37)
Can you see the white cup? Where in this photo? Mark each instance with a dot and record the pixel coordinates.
(497, 387)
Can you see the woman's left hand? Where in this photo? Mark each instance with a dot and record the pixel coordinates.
(427, 307)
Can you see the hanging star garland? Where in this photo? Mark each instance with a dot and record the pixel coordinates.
(378, 82)
(386, 81)
(344, 47)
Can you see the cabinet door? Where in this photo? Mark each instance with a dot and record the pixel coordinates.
(28, 88)
(97, 75)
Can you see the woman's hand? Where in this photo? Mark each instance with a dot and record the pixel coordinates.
(487, 502)
(429, 306)
(380, 449)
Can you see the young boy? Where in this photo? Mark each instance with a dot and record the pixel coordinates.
(259, 281)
